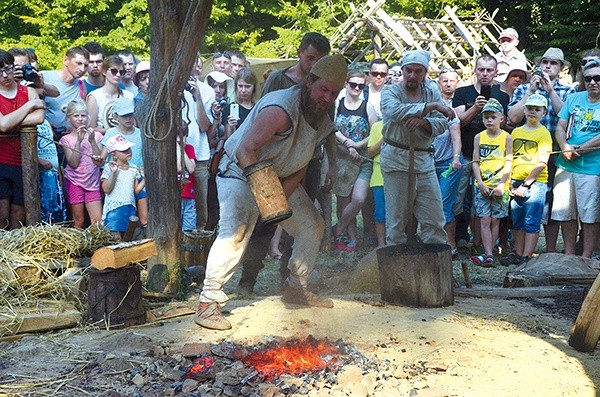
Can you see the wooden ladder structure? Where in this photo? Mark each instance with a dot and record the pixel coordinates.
(453, 42)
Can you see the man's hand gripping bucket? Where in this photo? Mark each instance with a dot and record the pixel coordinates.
(268, 192)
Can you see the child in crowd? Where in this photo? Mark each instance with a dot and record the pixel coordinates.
(373, 150)
(492, 158)
(532, 144)
(188, 198)
(123, 108)
(120, 183)
(82, 173)
(52, 204)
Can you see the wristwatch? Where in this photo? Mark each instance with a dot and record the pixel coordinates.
(526, 185)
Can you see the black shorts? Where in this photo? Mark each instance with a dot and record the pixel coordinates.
(11, 183)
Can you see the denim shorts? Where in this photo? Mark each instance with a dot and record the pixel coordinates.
(118, 219)
(448, 186)
(526, 212)
(379, 204)
(489, 206)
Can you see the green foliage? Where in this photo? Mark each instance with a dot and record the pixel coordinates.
(53, 26)
(272, 28)
(571, 25)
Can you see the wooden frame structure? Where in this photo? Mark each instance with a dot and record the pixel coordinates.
(453, 42)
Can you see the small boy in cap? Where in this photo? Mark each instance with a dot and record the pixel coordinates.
(532, 144)
(492, 158)
(120, 183)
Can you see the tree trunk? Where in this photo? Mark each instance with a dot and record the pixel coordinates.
(177, 27)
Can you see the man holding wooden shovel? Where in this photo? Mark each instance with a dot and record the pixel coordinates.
(413, 115)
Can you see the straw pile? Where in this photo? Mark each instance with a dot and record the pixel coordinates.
(33, 258)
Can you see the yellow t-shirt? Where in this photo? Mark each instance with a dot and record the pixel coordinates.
(527, 145)
(374, 137)
(492, 157)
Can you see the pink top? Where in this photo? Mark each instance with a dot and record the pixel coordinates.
(87, 174)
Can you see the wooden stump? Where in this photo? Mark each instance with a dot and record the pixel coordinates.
(418, 275)
(585, 332)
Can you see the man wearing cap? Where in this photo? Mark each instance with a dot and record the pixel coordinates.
(284, 127)
(413, 115)
(545, 83)
(221, 63)
(515, 78)
(577, 181)
(509, 57)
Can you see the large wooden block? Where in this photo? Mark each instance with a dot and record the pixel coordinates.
(123, 254)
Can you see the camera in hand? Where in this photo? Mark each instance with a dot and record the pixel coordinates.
(537, 72)
(223, 102)
(29, 73)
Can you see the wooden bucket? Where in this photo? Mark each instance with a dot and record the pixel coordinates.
(418, 275)
(115, 297)
(268, 192)
(195, 246)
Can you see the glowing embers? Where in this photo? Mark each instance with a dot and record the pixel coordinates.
(202, 368)
(293, 357)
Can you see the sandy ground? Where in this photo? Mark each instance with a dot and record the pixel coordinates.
(489, 347)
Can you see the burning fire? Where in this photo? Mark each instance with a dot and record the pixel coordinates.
(200, 367)
(294, 357)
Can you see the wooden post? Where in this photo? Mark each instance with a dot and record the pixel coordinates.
(586, 329)
(31, 180)
(131, 226)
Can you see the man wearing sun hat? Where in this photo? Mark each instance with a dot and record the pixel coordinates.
(284, 127)
(509, 57)
(545, 83)
(413, 111)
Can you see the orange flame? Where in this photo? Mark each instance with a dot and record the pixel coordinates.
(200, 366)
(293, 358)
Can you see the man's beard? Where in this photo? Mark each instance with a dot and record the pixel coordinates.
(309, 106)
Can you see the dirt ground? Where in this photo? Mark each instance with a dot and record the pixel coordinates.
(480, 347)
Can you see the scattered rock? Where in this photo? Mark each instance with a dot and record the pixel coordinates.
(189, 385)
(138, 380)
(192, 350)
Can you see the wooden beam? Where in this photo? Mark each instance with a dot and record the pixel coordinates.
(524, 292)
(40, 319)
(123, 254)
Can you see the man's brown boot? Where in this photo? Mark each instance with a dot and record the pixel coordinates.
(301, 296)
(209, 316)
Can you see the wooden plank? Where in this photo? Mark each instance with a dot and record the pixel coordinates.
(123, 254)
(524, 292)
(43, 319)
(586, 329)
(171, 310)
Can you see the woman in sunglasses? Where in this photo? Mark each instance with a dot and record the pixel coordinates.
(353, 120)
(587, 56)
(100, 102)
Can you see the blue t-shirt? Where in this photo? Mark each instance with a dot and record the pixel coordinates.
(586, 125)
(136, 149)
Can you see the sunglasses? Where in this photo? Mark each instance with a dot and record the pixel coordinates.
(585, 61)
(588, 79)
(8, 69)
(360, 86)
(379, 74)
(221, 54)
(115, 71)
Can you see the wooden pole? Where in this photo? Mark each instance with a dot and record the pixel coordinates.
(31, 180)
